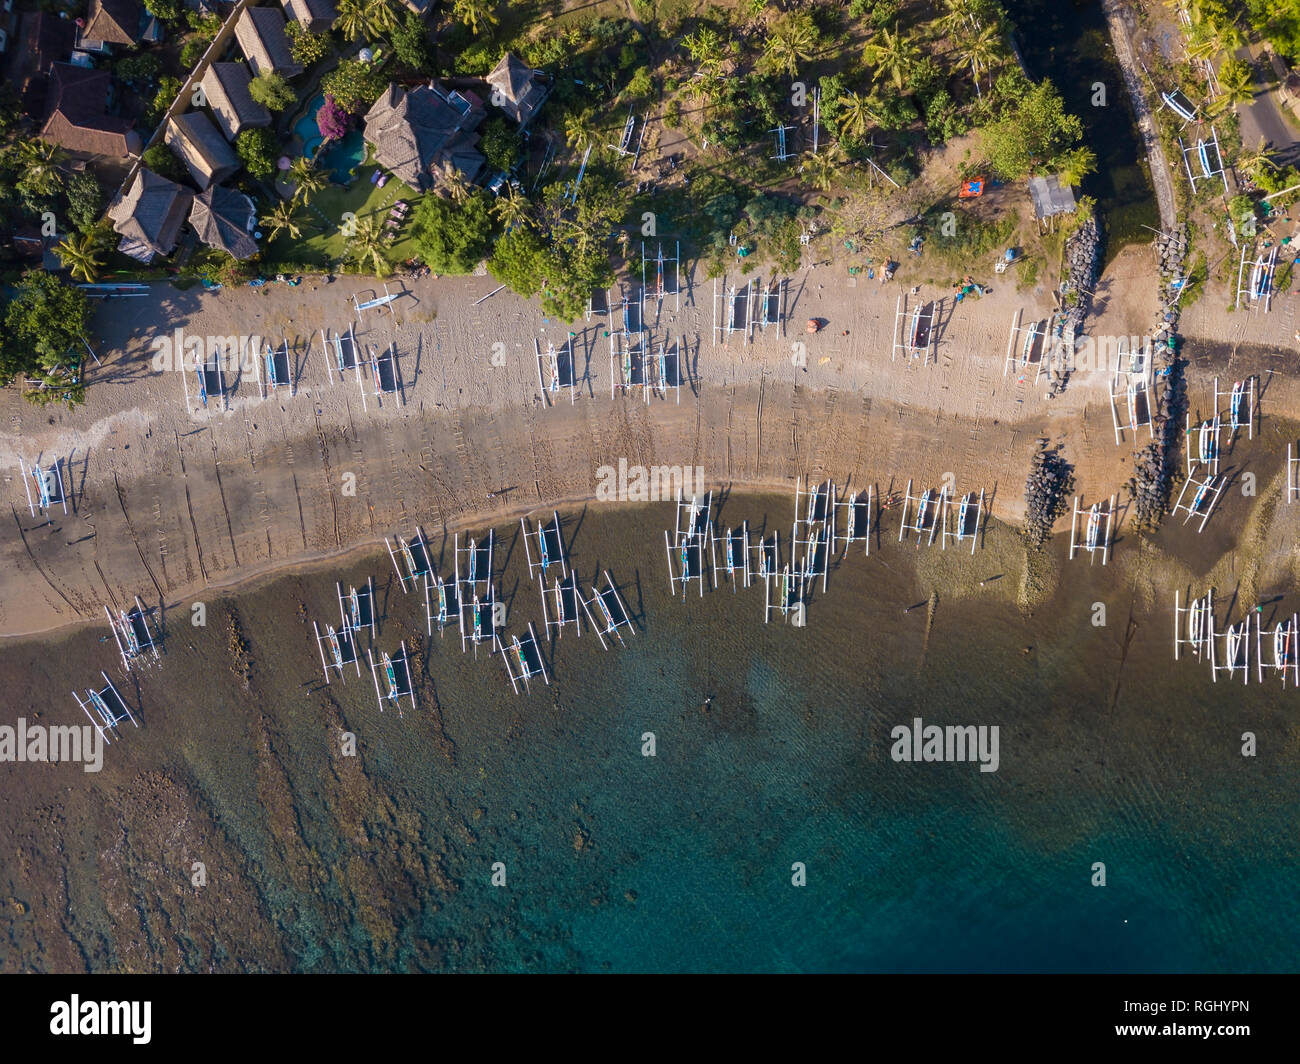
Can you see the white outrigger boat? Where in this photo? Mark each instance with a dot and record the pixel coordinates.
(735, 556)
(480, 627)
(1196, 619)
(108, 705)
(789, 595)
(612, 610)
(341, 646)
(131, 631)
(926, 517)
(550, 547)
(566, 600)
(967, 524)
(48, 481)
(526, 656)
(415, 556)
(397, 677)
(1205, 496)
(1237, 645)
(1096, 536)
(1286, 650)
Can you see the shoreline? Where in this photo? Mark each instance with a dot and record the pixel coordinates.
(176, 503)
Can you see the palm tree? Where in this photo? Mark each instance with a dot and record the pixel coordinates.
(957, 20)
(980, 49)
(367, 246)
(822, 168)
(79, 253)
(286, 217)
(1201, 44)
(792, 41)
(1253, 163)
(512, 209)
(579, 128)
(40, 163)
(453, 182)
(857, 114)
(1074, 165)
(706, 49)
(379, 16)
(1236, 83)
(1205, 40)
(351, 20)
(307, 178)
(475, 13)
(893, 55)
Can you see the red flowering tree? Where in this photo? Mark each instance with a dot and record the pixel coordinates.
(331, 120)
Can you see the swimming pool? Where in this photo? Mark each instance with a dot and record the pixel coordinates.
(340, 157)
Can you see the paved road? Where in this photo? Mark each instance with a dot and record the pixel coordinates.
(1264, 116)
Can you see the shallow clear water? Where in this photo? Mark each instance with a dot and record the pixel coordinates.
(683, 861)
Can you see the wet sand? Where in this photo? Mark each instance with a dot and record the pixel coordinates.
(170, 503)
(319, 861)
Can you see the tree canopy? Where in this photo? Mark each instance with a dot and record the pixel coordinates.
(1032, 132)
(259, 150)
(454, 237)
(271, 91)
(44, 323)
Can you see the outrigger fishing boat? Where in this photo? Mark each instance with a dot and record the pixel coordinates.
(614, 616)
(1199, 625)
(789, 596)
(695, 533)
(397, 677)
(1285, 648)
(1241, 405)
(550, 547)
(132, 634)
(929, 505)
(415, 556)
(1031, 335)
(476, 557)
(48, 481)
(108, 705)
(1204, 498)
(476, 624)
(519, 655)
(968, 519)
(857, 518)
(1238, 647)
(735, 556)
(342, 649)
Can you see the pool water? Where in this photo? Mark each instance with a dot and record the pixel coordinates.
(344, 155)
(340, 157)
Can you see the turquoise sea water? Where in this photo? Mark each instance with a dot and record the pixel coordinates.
(683, 861)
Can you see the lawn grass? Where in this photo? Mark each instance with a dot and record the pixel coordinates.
(322, 242)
